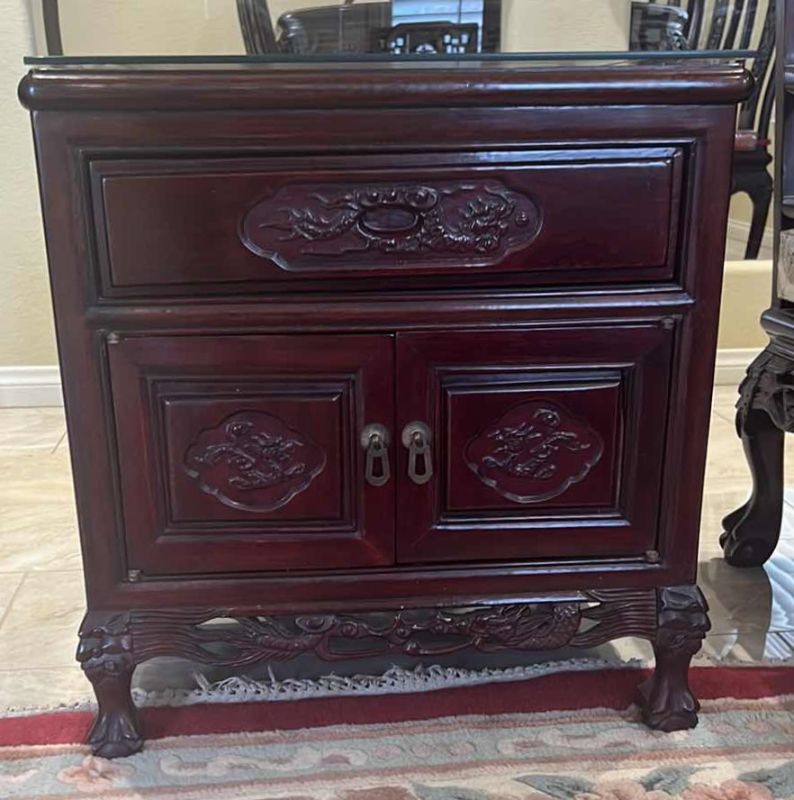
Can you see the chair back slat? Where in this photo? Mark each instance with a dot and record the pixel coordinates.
(718, 17)
(256, 25)
(729, 42)
(763, 91)
(767, 108)
(749, 25)
(695, 11)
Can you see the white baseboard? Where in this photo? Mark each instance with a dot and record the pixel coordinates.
(30, 386)
(41, 386)
(732, 365)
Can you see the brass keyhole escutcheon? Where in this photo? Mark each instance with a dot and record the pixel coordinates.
(375, 441)
(416, 438)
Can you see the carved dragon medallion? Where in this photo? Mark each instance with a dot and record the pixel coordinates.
(310, 227)
(534, 452)
(253, 461)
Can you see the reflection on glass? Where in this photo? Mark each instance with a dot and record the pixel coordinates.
(396, 28)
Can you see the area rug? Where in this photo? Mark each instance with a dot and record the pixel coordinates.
(742, 750)
(612, 688)
(497, 742)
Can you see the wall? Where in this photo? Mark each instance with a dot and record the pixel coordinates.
(154, 27)
(538, 25)
(210, 26)
(25, 315)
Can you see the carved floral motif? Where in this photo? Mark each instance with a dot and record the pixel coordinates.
(253, 461)
(385, 225)
(534, 452)
(598, 617)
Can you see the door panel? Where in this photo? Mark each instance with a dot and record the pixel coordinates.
(544, 443)
(248, 455)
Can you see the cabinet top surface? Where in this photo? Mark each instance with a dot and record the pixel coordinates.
(340, 86)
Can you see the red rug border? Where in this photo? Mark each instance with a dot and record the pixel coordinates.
(613, 688)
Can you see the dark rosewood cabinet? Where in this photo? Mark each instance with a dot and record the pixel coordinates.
(387, 360)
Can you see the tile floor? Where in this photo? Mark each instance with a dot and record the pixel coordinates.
(41, 593)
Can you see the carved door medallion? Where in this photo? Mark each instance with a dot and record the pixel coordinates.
(534, 452)
(253, 461)
(464, 223)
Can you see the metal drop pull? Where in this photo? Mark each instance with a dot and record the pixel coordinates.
(416, 438)
(375, 441)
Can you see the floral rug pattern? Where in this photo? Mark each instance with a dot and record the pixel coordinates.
(742, 750)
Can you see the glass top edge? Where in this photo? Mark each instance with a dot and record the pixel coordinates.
(633, 57)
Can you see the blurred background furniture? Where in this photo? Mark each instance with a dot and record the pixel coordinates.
(398, 27)
(726, 25)
(765, 411)
(432, 37)
(256, 25)
(655, 26)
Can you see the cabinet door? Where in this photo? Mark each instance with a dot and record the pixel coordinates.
(542, 443)
(244, 453)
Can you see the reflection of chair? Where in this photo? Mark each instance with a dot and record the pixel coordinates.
(734, 23)
(349, 28)
(365, 27)
(431, 37)
(658, 27)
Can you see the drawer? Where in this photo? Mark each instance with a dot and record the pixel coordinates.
(236, 225)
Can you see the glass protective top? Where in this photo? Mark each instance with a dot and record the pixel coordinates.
(241, 31)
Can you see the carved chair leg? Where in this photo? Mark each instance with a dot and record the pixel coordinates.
(761, 198)
(106, 655)
(750, 534)
(666, 700)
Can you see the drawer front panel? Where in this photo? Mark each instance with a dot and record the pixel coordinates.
(242, 453)
(546, 443)
(238, 225)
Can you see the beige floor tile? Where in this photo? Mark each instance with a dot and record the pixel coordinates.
(38, 525)
(40, 628)
(724, 402)
(36, 428)
(725, 464)
(746, 647)
(44, 688)
(9, 583)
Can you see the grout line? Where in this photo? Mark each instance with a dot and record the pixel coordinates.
(29, 572)
(13, 597)
(58, 443)
(722, 416)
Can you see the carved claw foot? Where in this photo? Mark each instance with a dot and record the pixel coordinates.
(730, 521)
(748, 542)
(744, 548)
(666, 700)
(115, 734)
(106, 655)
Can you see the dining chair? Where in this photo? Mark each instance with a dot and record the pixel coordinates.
(727, 25)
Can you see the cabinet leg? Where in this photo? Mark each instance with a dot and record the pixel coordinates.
(666, 700)
(106, 655)
(750, 534)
